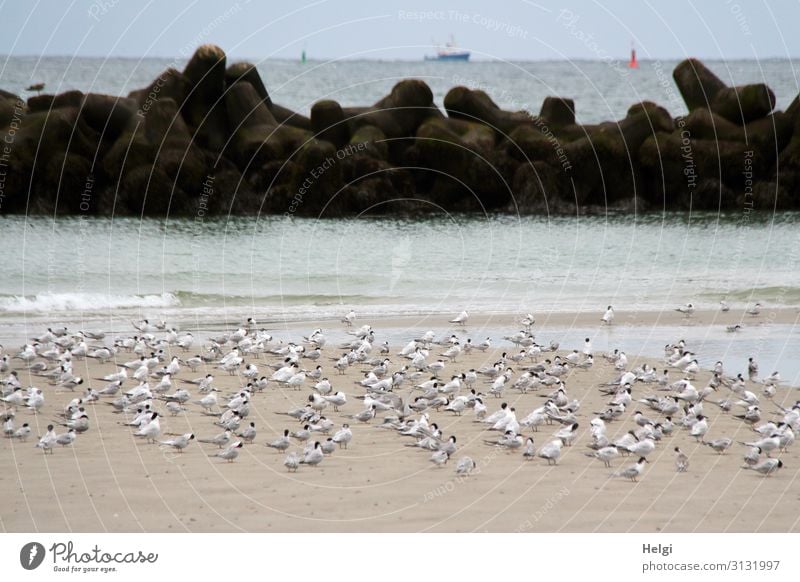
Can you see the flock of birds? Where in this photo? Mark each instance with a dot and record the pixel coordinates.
(152, 382)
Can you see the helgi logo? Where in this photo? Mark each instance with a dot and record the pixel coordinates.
(31, 555)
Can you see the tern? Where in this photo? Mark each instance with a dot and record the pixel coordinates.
(178, 443)
(766, 467)
(461, 318)
(632, 472)
(230, 453)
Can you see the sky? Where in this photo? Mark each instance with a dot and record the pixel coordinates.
(358, 29)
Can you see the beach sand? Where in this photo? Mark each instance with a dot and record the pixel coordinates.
(111, 481)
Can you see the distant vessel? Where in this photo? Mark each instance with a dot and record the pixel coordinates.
(449, 52)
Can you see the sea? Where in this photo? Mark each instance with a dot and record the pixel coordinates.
(207, 275)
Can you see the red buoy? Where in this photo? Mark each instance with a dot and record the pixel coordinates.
(633, 63)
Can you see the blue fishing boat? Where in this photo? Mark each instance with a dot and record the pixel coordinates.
(449, 52)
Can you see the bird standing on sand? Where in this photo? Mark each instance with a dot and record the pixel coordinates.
(343, 436)
(178, 443)
(681, 461)
(230, 453)
(551, 451)
(313, 456)
(220, 440)
(687, 310)
(281, 443)
(719, 445)
(47, 442)
(608, 317)
(439, 458)
(349, 318)
(632, 472)
(754, 310)
(766, 467)
(461, 318)
(291, 462)
(605, 454)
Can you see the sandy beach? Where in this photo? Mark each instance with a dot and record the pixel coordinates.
(109, 480)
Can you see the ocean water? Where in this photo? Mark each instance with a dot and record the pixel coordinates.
(601, 90)
(98, 273)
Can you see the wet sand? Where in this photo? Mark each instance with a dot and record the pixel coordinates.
(111, 481)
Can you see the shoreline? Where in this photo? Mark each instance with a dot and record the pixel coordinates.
(106, 481)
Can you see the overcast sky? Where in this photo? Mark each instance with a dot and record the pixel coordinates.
(506, 29)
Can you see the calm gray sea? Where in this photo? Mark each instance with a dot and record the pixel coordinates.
(602, 91)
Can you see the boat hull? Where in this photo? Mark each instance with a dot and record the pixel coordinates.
(453, 57)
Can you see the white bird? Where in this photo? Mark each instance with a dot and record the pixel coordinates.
(67, 438)
(605, 454)
(551, 451)
(178, 443)
(699, 428)
(349, 318)
(343, 436)
(767, 444)
(151, 430)
(724, 307)
(230, 453)
(48, 441)
(681, 461)
(608, 317)
(754, 310)
(209, 401)
(461, 318)
(766, 467)
(338, 399)
(530, 450)
(632, 472)
(248, 435)
(220, 440)
(687, 310)
(22, 433)
(291, 462)
(313, 456)
(439, 458)
(465, 466)
(281, 443)
(719, 445)
(640, 448)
